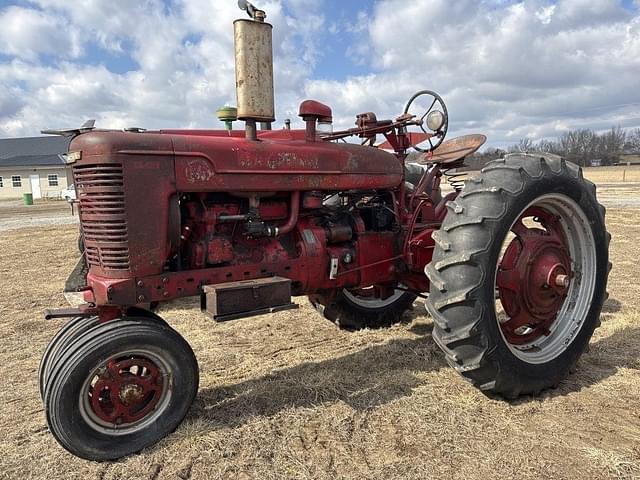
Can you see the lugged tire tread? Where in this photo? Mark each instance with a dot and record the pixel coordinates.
(441, 239)
(435, 279)
(515, 172)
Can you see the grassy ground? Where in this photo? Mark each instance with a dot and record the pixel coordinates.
(290, 396)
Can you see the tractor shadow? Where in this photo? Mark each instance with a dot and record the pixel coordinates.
(604, 358)
(611, 305)
(380, 374)
(364, 379)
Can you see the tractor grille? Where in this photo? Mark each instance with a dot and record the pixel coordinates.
(102, 215)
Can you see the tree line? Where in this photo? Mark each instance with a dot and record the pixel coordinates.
(581, 146)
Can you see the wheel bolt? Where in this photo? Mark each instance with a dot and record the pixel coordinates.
(562, 281)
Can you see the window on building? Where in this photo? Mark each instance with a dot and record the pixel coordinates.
(53, 180)
(16, 180)
(1, 184)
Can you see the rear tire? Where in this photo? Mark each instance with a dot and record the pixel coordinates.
(467, 261)
(349, 312)
(119, 388)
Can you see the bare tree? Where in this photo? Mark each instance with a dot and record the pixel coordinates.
(632, 144)
(613, 142)
(584, 145)
(525, 145)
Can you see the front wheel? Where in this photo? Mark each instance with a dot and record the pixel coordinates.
(120, 387)
(519, 274)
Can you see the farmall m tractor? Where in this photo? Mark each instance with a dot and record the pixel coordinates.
(513, 260)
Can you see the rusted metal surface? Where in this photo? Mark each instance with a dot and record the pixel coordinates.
(315, 109)
(533, 277)
(234, 299)
(450, 151)
(126, 390)
(84, 311)
(221, 165)
(254, 70)
(166, 213)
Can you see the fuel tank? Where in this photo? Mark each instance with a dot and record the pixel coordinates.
(225, 163)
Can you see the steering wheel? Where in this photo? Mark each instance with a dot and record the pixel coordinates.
(435, 115)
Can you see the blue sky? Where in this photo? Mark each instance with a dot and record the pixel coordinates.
(333, 63)
(508, 69)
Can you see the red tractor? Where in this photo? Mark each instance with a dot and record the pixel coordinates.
(513, 261)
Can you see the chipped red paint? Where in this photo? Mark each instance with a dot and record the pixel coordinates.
(529, 278)
(164, 213)
(126, 390)
(315, 109)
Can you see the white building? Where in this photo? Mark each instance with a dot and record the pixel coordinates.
(33, 165)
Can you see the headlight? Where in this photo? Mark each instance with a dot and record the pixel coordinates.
(435, 120)
(72, 157)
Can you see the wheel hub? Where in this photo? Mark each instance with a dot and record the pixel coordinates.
(533, 277)
(131, 393)
(126, 390)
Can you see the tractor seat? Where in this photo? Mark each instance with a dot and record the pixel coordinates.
(451, 151)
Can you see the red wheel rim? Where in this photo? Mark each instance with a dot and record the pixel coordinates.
(533, 277)
(125, 390)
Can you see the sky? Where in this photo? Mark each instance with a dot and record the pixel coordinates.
(507, 69)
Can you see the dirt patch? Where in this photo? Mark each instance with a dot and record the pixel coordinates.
(290, 396)
(619, 195)
(14, 214)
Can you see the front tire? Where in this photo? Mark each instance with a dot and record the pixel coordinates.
(529, 231)
(69, 333)
(81, 244)
(120, 387)
(58, 345)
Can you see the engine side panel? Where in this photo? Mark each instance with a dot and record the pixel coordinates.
(125, 203)
(165, 214)
(212, 164)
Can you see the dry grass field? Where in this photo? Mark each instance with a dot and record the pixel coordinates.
(605, 175)
(290, 396)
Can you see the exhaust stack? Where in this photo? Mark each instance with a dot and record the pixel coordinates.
(254, 69)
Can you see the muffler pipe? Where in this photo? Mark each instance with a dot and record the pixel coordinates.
(254, 70)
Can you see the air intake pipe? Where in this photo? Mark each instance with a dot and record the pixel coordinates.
(254, 70)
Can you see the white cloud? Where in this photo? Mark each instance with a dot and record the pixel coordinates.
(503, 70)
(532, 68)
(546, 13)
(27, 33)
(184, 57)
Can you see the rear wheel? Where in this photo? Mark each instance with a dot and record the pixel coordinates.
(519, 274)
(371, 307)
(119, 388)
